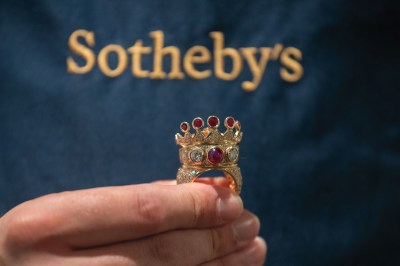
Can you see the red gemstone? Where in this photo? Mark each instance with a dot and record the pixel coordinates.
(213, 121)
(215, 155)
(198, 123)
(230, 122)
(184, 126)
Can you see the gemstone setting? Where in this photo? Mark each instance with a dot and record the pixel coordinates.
(196, 155)
(229, 122)
(184, 127)
(213, 121)
(197, 123)
(215, 155)
(233, 154)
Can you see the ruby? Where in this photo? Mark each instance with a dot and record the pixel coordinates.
(184, 126)
(230, 121)
(215, 155)
(213, 121)
(197, 123)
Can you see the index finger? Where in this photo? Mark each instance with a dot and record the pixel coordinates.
(108, 215)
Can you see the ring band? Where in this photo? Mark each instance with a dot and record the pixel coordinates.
(233, 174)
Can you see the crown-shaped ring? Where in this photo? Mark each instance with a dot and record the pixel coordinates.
(209, 149)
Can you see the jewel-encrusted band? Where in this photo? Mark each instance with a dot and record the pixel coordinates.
(208, 149)
(209, 155)
(233, 174)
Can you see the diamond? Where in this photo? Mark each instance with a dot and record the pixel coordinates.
(215, 155)
(233, 154)
(197, 155)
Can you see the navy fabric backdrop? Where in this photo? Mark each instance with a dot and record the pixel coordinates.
(320, 157)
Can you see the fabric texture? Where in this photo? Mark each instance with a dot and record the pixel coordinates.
(320, 157)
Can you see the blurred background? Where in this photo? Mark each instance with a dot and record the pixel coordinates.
(320, 156)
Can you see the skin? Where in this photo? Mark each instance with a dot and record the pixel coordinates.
(201, 223)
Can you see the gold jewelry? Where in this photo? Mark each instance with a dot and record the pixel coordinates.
(209, 149)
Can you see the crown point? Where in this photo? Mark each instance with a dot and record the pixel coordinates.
(185, 127)
(237, 125)
(213, 121)
(229, 122)
(197, 123)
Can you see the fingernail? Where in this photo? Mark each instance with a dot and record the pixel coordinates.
(255, 254)
(229, 206)
(246, 227)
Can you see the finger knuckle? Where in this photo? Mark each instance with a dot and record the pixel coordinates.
(148, 209)
(198, 207)
(162, 249)
(215, 241)
(26, 228)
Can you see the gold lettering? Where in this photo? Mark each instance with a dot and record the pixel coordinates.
(137, 50)
(256, 68)
(103, 60)
(159, 52)
(292, 70)
(228, 61)
(197, 55)
(276, 52)
(219, 57)
(81, 50)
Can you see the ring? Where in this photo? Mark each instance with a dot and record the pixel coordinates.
(208, 149)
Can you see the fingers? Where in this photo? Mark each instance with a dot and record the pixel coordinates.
(165, 182)
(216, 181)
(104, 216)
(252, 255)
(184, 247)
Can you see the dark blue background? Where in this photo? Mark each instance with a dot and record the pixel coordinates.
(320, 157)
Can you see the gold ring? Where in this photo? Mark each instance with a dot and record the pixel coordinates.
(208, 149)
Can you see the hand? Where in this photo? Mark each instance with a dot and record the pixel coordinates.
(149, 224)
